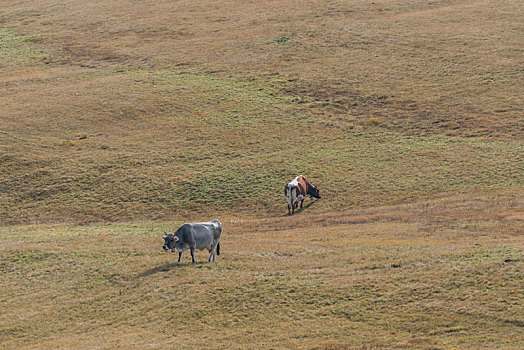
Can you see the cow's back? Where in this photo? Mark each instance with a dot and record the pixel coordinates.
(205, 233)
(301, 185)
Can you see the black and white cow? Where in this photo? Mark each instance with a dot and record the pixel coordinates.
(199, 235)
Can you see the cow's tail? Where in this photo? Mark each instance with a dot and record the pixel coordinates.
(293, 195)
(289, 194)
(218, 248)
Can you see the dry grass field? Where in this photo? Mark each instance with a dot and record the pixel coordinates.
(122, 118)
(439, 274)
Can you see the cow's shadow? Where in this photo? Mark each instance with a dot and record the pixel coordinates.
(167, 267)
(300, 210)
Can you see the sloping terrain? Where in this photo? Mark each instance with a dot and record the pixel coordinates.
(120, 119)
(124, 110)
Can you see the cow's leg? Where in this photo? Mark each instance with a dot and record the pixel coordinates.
(288, 209)
(193, 255)
(210, 254)
(301, 203)
(179, 256)
(213, 256)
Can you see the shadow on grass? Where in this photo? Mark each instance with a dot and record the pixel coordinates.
(167, 267)
(300, 210)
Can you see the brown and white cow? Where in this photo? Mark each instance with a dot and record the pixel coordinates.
(296, 190)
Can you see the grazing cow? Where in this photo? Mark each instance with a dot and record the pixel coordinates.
(296, 191)
(200, 235)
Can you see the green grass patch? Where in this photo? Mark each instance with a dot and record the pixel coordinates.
(19, 48)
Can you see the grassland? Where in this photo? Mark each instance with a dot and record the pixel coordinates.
(114, 112)
(440, 274)
(119, 119)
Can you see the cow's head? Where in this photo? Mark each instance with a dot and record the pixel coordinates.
(314, 192)
(169, 241)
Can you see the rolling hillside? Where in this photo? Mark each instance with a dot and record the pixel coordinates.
(120, 119)
(158, 109)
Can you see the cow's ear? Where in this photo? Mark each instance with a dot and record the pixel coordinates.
(165, 232)
(164, 237)
(176, 239)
